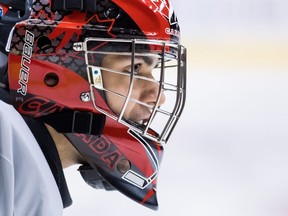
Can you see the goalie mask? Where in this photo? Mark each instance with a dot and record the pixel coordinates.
(110, 75)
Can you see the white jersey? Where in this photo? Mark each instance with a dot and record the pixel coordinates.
(27, 185)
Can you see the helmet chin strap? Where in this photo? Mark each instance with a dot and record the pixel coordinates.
(93, 178)
(5, 30)
(76, 122)
(72, 5)
(21, 11)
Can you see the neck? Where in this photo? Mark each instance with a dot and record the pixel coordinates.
(67, 152)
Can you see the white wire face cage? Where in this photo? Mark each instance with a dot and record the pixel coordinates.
(169, 75)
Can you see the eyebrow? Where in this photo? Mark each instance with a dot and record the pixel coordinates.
(148, 60)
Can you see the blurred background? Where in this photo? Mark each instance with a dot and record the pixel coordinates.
(229, 154)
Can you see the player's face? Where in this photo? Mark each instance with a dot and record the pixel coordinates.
(143, 90)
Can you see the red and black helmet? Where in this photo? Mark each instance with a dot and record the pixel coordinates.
(56, 50)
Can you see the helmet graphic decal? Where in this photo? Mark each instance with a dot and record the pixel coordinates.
(162, 7)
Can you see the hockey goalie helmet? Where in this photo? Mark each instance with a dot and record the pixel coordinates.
(86, 59)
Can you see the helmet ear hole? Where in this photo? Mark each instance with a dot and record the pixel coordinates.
(44, 43)
(51, 79)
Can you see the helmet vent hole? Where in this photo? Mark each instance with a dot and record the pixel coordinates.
(123, 165)
(51, 79)
(44, 43)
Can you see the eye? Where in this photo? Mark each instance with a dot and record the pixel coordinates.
(137, 68)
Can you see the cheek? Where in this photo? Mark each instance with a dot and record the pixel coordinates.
(120, 85)
(117, 84)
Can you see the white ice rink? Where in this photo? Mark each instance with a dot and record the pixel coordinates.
(229, 154)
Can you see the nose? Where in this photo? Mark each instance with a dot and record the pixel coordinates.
(162, 98)
(150, 93)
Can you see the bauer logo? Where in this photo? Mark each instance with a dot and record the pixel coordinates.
(27, 52)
